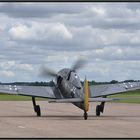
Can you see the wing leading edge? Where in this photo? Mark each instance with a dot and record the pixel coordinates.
(109, 89)
(37, 91)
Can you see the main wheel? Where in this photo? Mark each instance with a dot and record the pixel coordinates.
(38, 112)
(85, 115)
(98, 110)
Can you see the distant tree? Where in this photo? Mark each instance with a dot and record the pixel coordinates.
(93, 82)
(131, 80)
(51, 83)
(113, 82)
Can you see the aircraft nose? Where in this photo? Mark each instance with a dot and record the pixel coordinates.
(77, 84)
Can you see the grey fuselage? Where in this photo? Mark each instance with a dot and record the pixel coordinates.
(70, 86)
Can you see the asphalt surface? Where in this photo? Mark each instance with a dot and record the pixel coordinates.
(17, 119)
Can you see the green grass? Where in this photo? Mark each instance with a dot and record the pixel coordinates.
(130, 94)
(9, 97)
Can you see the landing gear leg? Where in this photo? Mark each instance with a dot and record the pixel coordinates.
(36, 107)
(85, 115)
(100, 108)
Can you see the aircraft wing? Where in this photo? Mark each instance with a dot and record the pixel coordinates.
(109, 89)
(36, 91)
(80, 100)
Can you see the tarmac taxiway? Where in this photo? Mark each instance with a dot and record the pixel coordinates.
(17, 119)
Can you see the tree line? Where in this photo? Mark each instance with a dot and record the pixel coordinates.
(51, 83)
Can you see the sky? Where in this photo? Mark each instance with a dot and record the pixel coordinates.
(55, 34)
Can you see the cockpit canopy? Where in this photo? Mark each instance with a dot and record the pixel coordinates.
(71, 76)
(64, 73)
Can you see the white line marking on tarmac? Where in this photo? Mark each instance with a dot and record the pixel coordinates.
(21, 126)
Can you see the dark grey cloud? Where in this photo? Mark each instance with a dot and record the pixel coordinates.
(134, 6)
(25, 10)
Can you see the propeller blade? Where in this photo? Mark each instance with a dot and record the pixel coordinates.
(45, 72)
(78, 64)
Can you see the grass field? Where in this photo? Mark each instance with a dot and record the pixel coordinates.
(7, 97)
(128, 95)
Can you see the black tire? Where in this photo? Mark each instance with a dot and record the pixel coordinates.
(98, 110)
(38, 111)
(85, 115)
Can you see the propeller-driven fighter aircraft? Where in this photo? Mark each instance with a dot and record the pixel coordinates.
(68, 89)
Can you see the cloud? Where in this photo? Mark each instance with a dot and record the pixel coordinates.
(7, 73)
(25, 67)
(50, 31)
(55, 34)
(14, 65)
(41, 10)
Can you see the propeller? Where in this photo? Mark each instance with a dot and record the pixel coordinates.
(78, 64)
(45, 71)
